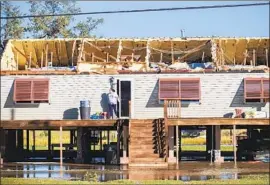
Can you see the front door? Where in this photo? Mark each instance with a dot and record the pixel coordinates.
(124, 93)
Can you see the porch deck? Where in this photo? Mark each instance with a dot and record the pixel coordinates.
(55, 124)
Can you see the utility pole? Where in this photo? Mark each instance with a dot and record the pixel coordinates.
(182, 33)
(0, 24)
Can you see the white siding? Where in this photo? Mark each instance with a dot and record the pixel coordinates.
(221, 93)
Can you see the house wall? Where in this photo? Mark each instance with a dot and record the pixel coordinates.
(221, 93)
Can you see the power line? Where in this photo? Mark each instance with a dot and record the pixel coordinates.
(139, 10)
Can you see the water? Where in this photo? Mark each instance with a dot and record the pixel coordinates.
(186, 171)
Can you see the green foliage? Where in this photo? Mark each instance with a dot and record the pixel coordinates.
(84, 29)
(59, 26)
(90, 176)
(11, 28)
(46, 27)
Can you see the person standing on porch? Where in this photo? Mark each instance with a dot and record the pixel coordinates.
(113, 98)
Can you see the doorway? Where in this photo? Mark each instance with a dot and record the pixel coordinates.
(124, 93)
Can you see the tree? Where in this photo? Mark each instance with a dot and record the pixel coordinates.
(11, 28)
(58, 26)
(84, 29)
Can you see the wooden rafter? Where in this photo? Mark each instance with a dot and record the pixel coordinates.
(266, 57)
(119, 51)
(46, 54)
(96, 47)
(147, 56)
(172, 53)
(81, 49)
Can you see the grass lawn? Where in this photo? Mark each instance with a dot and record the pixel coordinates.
(251, 179)
(203, 148)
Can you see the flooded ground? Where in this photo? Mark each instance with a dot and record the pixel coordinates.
(185, 171)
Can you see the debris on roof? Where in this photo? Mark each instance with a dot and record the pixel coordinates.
(111, 56)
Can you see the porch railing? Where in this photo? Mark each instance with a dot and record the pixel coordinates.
(172, 109)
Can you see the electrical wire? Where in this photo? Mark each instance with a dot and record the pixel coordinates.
(138, 10)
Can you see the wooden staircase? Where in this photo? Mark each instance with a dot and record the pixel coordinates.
(147, 143)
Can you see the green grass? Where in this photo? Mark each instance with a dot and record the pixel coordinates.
(41, 139)
(251, 179)
(203, 148)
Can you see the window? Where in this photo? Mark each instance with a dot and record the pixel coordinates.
(182, 89)
(31, 90)
(256, 89)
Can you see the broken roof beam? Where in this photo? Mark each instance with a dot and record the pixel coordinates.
(119, 51)
(172, 53)
(99, 49)
(73, 50)
(148, 54)
(80, 49)
(266, 57)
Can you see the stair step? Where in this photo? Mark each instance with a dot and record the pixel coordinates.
(142, 127)
(141, 121)
(145, 146)
(148, 164)
(141, 130)
(142, 136)
(147, 159)
(137, 142)
(144, 153)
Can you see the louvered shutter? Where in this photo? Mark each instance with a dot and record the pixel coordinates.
(253, 88)
(266, 88)
(22, 90)
(181, 88)
(40, 90)
(169, 89)
(31, 90)
(190, 89)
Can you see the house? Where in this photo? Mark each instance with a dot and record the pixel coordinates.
(164, 84)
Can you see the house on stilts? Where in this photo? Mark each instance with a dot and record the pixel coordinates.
(165, 86)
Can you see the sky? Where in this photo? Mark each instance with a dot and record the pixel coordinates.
(225, 22)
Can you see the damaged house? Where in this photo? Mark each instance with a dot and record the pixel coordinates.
(165, 85)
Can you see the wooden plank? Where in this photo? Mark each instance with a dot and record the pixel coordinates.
(46, 54)
(177, 144)
(234, 145)
(44, 124)
(42, 59)
(245, 57)
(266, 56)
(51, 59)
(119, 51)
(24, 72)
(73, 50)
(172, 53)
(30, 61)
(96, 47)
(61, 149)
(17, 61)
(218, 121)
(254, 57)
